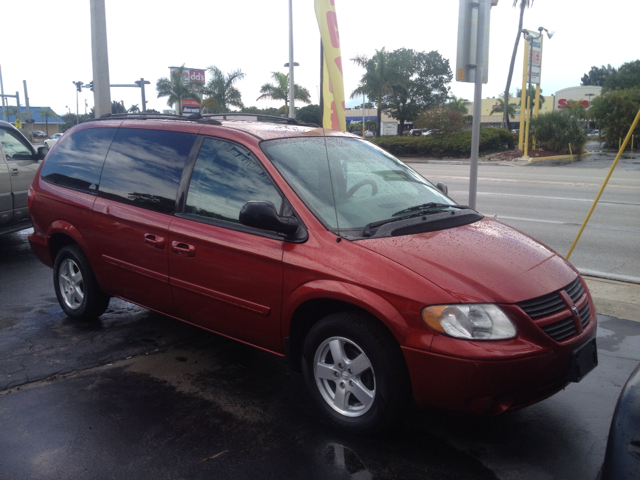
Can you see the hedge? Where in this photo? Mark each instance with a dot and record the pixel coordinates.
(455, 145)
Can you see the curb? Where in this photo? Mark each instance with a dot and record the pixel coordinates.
(555, 160)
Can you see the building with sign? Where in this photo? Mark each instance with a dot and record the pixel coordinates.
(49, 126)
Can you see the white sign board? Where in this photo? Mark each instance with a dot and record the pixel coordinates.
(467, 40)
(535, 56)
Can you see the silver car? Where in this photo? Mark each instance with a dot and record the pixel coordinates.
(19, 162)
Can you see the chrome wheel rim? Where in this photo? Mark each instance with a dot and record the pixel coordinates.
(345, 377)
(71, 284)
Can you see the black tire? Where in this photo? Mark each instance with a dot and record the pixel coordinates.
(371, 396)
(76, 286)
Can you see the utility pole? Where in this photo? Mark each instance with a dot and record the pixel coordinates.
(29, 117)
(100, 56)
(292, 113)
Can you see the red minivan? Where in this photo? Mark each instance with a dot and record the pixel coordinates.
(318, 246)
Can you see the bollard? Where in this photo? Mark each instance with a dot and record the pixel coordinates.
(571, 153)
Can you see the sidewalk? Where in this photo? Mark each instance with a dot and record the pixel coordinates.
(615, 299)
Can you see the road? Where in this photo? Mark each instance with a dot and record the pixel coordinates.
(551, 202)
(140, 395)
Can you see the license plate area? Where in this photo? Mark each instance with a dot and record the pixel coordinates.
(583, 360)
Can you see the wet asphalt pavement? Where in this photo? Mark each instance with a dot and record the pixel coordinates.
(140, 395)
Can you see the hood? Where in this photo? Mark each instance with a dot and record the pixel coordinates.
(486, 261)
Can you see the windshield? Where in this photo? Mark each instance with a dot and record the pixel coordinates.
(349, 183)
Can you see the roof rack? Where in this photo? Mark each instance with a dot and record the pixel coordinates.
(158, 116)
(259, 116)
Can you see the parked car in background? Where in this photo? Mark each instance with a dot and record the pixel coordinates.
(426, 132)
(318, 246)
(415, 132)
(19, 161)
(50, 142)
(368, 134)
(39, 134)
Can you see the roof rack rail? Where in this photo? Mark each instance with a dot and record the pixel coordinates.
(158, 116)
(259, 116)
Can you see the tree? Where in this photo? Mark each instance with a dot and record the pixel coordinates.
(458, 104)
(310, 114)
(442, 121)
(576, 109)
(614, 112)
(134, 109)
(376, 82)
(500, 108)
(280, 90)
(505, 117)
(117, 107)
(421, 81)
(261, 111)
(597, 76)
(627, 76)
(221, 92)
(46, 113)
(175, 89)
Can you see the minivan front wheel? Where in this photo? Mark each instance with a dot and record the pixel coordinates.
(355, 372)
(76, 287)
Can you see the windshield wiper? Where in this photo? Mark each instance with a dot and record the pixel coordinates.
(366, 231)
(425, 206)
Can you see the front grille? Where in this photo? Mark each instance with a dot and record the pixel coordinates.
(551, 304)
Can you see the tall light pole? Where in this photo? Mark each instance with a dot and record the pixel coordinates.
(292, 113)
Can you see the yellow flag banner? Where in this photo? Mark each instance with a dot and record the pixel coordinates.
(333, 116)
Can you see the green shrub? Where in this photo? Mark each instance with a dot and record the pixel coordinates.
(457, 144)
(556, 130)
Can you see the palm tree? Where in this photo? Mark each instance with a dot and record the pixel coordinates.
(174, 88)
(523, 4)
(46, 113)
(221, 91)
(280, 90)
(134, 109)
(511, 108)
(458, 104)
(377, 81)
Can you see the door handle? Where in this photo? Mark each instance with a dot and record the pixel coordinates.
(183, 249)
(15, 172)
(155, 241)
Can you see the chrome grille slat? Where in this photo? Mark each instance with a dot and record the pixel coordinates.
(552, 303)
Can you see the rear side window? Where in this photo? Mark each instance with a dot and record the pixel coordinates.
(144, 167)
(77, 160)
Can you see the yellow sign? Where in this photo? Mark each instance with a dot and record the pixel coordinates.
(18, 123)
(333, 115)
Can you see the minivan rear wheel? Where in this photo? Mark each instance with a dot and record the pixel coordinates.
(355, 372)
(76, 286)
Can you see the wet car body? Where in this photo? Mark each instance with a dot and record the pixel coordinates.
(273, 290)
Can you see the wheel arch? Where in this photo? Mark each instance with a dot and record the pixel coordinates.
(314, 301)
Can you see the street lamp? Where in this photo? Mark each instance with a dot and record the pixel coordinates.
(292, 64)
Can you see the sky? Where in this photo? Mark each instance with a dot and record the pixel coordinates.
(48, 43)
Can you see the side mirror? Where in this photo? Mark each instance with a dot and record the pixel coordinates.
(443, 188)
(42, 152)
(263, 215)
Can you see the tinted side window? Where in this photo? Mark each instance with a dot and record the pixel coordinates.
(77, 160)
(144, 168)
(224, 178)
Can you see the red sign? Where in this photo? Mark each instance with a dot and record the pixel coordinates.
(187, 102)
(563, 102)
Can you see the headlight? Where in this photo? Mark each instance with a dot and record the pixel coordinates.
(473, 322)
